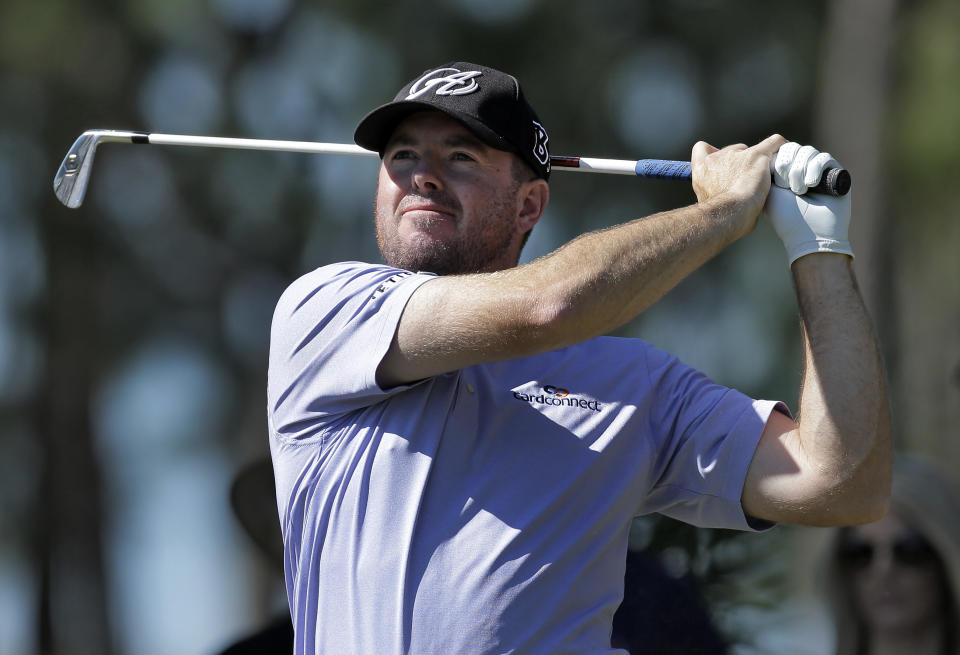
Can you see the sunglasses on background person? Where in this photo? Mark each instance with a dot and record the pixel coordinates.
(908, 550)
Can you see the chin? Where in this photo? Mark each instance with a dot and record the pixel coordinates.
(426, 255)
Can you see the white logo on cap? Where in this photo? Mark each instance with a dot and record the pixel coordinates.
(457, 83)
(540, 140)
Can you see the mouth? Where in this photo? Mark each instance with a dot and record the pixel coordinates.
(427, 205)
(427, 208)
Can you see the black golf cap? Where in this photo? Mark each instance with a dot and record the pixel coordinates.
(488, 102)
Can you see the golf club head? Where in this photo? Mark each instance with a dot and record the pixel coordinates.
(70, 182)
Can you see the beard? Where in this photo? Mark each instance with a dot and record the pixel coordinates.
(482, 242)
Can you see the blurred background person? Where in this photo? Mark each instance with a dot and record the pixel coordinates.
(253, 501)
(661, 614)
(893, 584)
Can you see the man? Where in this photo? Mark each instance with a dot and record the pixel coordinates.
(459, 453)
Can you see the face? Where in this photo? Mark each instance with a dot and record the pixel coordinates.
(448, 203)
(896, 576)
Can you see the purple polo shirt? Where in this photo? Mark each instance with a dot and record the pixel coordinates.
(486, 510)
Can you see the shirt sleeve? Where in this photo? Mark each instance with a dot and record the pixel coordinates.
(708, 434)
(331, 329)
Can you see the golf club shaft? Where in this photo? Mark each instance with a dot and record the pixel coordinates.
(71, 180)
(653, 168)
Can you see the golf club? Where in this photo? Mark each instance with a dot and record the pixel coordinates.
(73, 176)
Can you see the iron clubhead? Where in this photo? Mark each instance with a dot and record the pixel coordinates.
(70, 182)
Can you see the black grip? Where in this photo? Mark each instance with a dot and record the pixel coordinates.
(833, 182)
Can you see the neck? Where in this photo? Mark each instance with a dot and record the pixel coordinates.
(926, 641)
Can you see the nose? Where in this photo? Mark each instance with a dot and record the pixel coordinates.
(426, 175)
(883, 562)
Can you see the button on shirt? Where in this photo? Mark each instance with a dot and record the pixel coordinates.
(486, 510)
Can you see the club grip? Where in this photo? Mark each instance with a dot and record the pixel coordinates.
(663, 169)
(833, 182)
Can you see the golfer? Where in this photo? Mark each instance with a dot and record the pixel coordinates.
(458, 449)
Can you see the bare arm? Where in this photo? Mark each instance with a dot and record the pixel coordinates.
(833, 466)
(588, 287)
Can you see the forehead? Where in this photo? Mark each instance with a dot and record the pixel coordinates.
(886, 529)
(426, 125)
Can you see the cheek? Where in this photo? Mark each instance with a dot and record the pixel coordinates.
(386, 188)
(924, 586)
(387, 197)
(488, 200)
(392, 182)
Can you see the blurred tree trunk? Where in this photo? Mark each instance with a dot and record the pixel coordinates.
(888, 111)
(851, 116)
(925, 144)
(72, 615)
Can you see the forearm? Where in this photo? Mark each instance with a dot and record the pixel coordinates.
(603, 279)
(589, 286)
(844, 419)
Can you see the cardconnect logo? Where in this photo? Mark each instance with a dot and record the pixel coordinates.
(559, 397)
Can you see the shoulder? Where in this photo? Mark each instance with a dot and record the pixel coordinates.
(340, 280)
(338, 274)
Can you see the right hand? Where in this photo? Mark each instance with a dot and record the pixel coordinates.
(736, 176)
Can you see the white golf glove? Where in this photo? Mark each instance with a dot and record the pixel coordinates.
(806, 223)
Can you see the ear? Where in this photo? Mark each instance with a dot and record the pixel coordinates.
(532, 199)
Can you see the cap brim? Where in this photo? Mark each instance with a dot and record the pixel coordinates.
(375, 129)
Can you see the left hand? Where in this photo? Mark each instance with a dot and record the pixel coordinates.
(806, 223)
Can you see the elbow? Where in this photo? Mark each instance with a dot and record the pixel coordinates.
(872, 506)
(879, 510)
(847, 490)
(866, 511)
(864, 496)
(877, 471)
(865, 508)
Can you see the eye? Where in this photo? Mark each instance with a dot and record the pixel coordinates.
(402, 154)
(462, 156)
